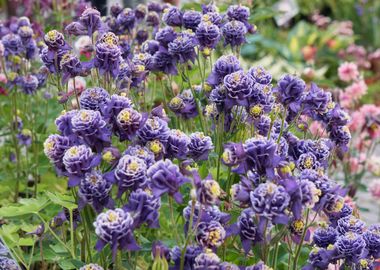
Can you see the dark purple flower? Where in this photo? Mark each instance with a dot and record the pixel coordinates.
(183, 47)
(90, 127)
(8, 264)
(316, 100)
(239, 87)
(91, 19)
(107, 55)
(199, 146)
(350, 246)
(289, 91)
(54, 148)
(154, 129)
(208, 191)
(153, 19)
(225, 65)
(154, 6)
(208, 36)
(262, 125)
(319, 258)
(240, 192)
(25, 33)
(164, 62)
(211, 7)
(128, 121)
(55, 41)
(233, 154)
(325, 236)
(240, 13)
(191, 253)
(25, 137)
(210, 234)
(341, 136)
(52, 62)
(141, 36)
(372, 240)
(248, 229)
(259, 266)
(165, 35)
(130, 174)
(29, 84)
(12, 44)
(270, 202)
(71, 67)
(126, 20)
(116, 9)
(213, 17)
(260, 75)
(111, 155)
(111, 109)
(144, 208)
(93, 98)
(63, 122)
(310, 194)
(349, 224)
(307, 161)
(140, 11)
(95, 190)
(228, 266)
(172, 16)
(115, 227)
(207, 260)
(191, 19)
(78, 160)
(261, 156)
(76, 29)
(165, 177)
(142, 153)
(177, 144)
(150, 46)
(234, 33)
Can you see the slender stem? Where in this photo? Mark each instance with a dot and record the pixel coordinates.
(172, 219)
(298, 251)
(189, 234)
(31, 256)
(72, 233)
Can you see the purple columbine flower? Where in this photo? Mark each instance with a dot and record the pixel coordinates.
(341, 136)
(261, 156)
(289, 91)
(208, 190)
(140, 11)
(325, 236)
(153, 19)
(52, 62)
(192, 251)
(240, 13)
(211, 7)
(126, 20)
(372, 240)
(350, 247)
(29, 84)
(129, 121)
(207, 260)
(111, 155)
(165, 36)
(210, 234)
(76, 29)
(78, 160)
(234, 33)
(116, 9)
(55, 147)
(71, 67)
(141, 36)
(25, 137)
(199, 146)
(91, 20)
(183, 47)
(144, 208)
(350, 224)
(12, 44)
(259, 266)
(213, 17)
(142, 153)
(8, 264)
(165, 177)
(107, 54)
(307, 161)
(248, 231)
(260, 75)
(177, 144)
(239, 88)
(63, 123)
(114, 105)
(225, 65)
(93, 98)
(191, 19)
(208, 36)
(150, 46)
(316, 100)
(95, 190)
(172, 16)
(154, 129)
(90, 127)
(115, 227)
(270, 201)
(25, 33)
(130, 174)
(55, 42)
(240, 192)
(164, 62)
(228, 266)
(91, 266)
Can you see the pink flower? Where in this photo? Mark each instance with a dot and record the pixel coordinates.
(356, 90)
(317, 129)
(373, 165)
(348, 71)
(80, 84)
(374, 188)
(3, 79)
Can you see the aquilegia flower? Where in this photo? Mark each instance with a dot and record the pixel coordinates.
(115, 227)
(207, 260)
(210, 234)
(208, 35)
(225, 65)
(8, 264)
(165, 177)
(234, 33)
(128, 122)
(199, 146)
(93, 98)
(154, 129)
(191, 19)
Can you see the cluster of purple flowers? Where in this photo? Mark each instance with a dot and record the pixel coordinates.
(274, 176)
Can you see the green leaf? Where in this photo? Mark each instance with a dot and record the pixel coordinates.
(27, 207)
(62, 200)
(70, 264)
(26, 242)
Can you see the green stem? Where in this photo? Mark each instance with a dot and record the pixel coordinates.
(172, 219)
(189, 234)
(72, 234)
(298, 251)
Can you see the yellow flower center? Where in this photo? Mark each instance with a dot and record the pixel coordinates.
(133, 166)
(73, 151)
(175, 101)
(125, 116)
(49, 145)
(84, 116)
(93, 179)
(52, 35)
(214, 237)
(155, 147)
(112, 217)
(298, 226)
(108, 157)
(215, 189)
(308, 163)
(256, 110)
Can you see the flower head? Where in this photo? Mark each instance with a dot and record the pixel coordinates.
(191, 19)
(128, 122)
(225, 65)
(210, 234)
(199, 146)
(234, 33)
(172, 16)
(154, 129)
(208, 36)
